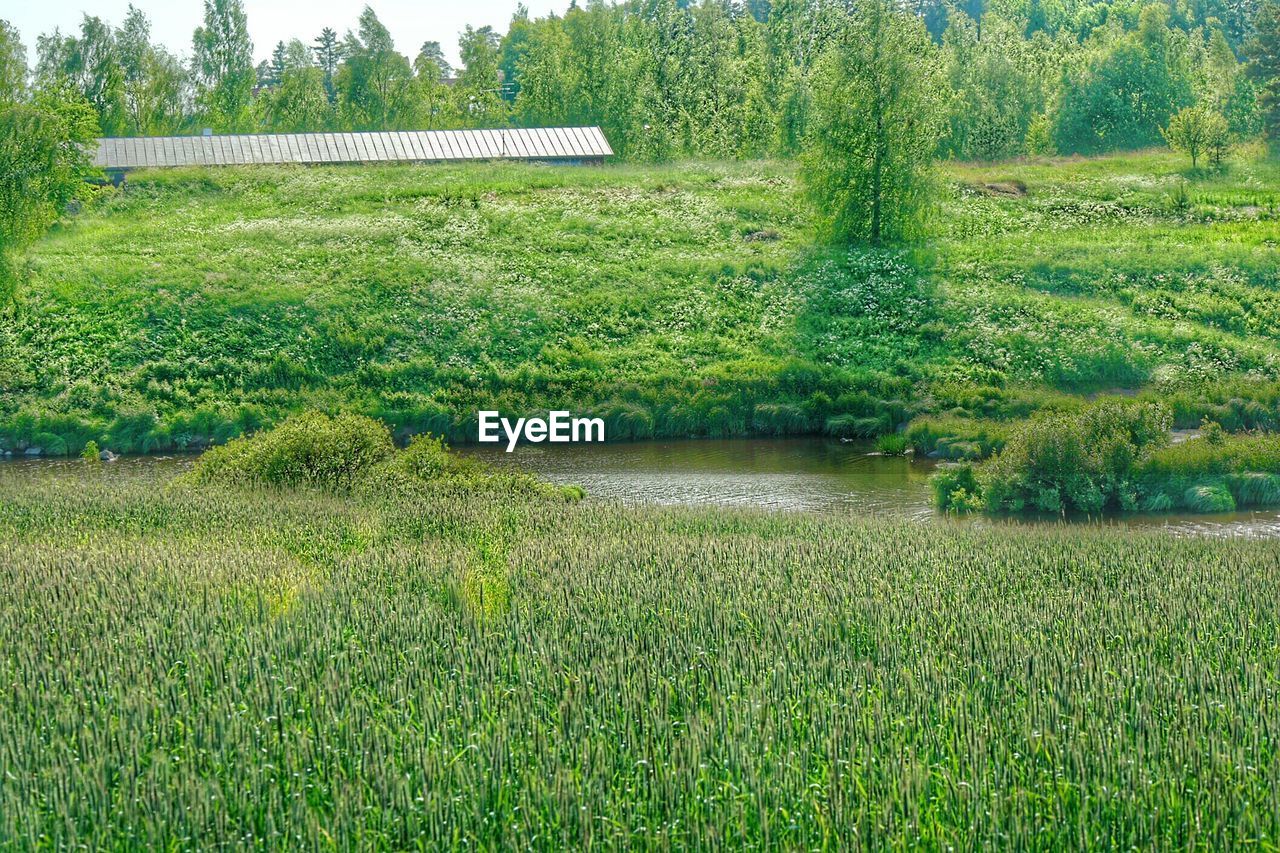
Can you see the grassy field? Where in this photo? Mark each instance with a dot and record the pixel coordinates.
(674, 300)
(293, 669)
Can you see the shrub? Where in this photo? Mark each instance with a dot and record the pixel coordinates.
(1081, 461)
(779, 419)
(1232, 454)
(311, 449)
(1209, 498)
(955, 490)
(956, 437)
(90, 452)
(1255, 488)
(892, 444)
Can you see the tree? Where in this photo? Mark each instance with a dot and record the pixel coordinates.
(89, 64)
(374, 82)
(1263, 52)
(433, 106)
(432, 57)
(13, 65)
(328, 52)
(277, 62)
(877, 118)
(223, 65)
(154, 82)
(479, 88)
(44, 159)
(1124, 91)
(299, 103)
(1198, 130)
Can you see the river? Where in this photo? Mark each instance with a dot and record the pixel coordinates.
(813, 474)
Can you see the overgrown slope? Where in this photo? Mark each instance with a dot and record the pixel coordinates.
(675, 300)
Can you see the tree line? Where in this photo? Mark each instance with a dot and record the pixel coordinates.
(866, 93)
(716, 78)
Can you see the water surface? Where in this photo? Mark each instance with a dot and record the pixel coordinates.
(813, 474)
(795, 474)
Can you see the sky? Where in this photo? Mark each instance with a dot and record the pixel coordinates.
(411, 22)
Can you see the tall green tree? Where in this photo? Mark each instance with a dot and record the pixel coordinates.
(375, 82)
(154, 81)
(1126, 90)
(90, 65)
(328, 53)
(877, 119)
(299, 103)
(44, 159)
(479, 87)
(13, 65)
(1263, 52)
(223, 66)
(434, 106)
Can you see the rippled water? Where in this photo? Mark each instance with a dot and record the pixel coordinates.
(793, 474)
(777, 474)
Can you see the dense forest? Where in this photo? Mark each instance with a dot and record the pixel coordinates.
(719, 78)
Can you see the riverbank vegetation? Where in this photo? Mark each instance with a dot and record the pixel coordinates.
(193, 306)
(352, 453)
(283, 665)
(1116, 456)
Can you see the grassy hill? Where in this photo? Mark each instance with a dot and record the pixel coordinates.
(675, 300)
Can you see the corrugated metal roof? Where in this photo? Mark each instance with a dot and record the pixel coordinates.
(526, 143)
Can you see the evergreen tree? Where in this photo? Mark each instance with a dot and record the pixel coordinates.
(1263, 52)
(328, 53)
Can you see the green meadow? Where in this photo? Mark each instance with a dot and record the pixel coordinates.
(673, 300)
(417, 669)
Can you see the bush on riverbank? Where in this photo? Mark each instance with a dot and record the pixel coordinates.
(349, 452)
(1115, 455)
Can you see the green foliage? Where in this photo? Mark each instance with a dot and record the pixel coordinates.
(1263, 54)
(876, 125)
(1198, 131)
(42, 167)
(1125, 91)
(1208, 499)
(350, 453)
(311, 449)
(502, 658)
(13, 65)
(998, 93)
(374, 82)
(90, 451)
(1076, 462)
(892, 444)
(223, 66)
(955, 489)
(956, 437)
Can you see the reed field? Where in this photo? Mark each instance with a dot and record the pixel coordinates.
(299, 670)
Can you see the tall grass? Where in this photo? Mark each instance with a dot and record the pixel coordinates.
(184, 666)
(419, 295)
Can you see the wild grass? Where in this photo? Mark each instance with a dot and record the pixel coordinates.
(687, 299)
(286, 669)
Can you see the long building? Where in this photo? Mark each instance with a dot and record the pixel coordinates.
(553, 144)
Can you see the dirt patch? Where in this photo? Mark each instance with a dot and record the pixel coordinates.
(768, 235)
(1003, 189)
